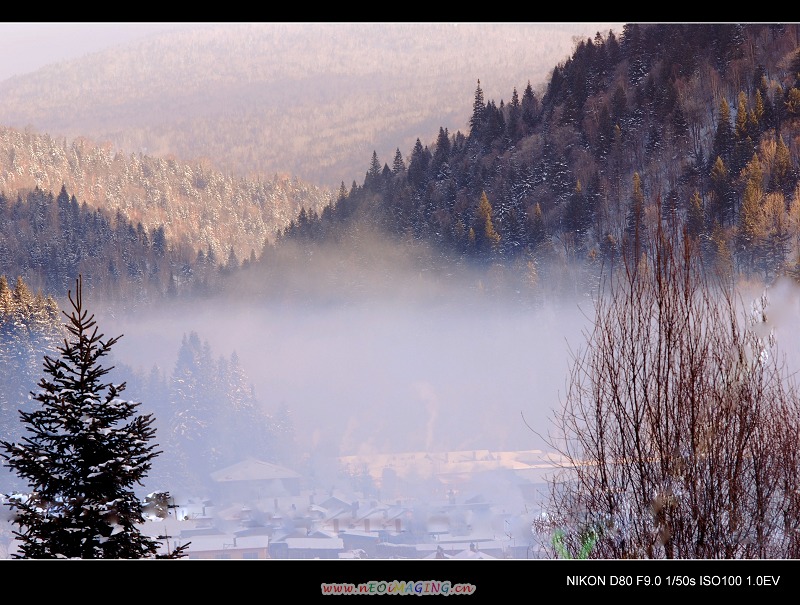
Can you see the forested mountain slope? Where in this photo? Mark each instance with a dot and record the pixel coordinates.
(197, 207)
(693, 122)
(311, 100)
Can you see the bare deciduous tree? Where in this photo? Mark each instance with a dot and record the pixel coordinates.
(680, 422)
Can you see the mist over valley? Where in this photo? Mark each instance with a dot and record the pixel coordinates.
(391, 370)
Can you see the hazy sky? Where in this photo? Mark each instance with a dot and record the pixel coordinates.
(27, 46)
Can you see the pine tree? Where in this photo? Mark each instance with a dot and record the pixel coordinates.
(514, 117)
(724, 136)
(478, 111)
(695, 217)
(792, 103)
(342, 193)
(488, 238)
(751, 233)
(755, 117)
(635, 227)
(538, 231)
(781, 175)
(233, 261)
(633, 47)
(722, 200)
(372, 179)
(680, 128)
(743, 147)
(85, 450)
(530, 106)
(418, 165)
(193, 401)
(741, 116)
(778, 233)
(398, 165)
(441, 154)
(577, 214)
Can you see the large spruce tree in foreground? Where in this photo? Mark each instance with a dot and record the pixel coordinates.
(86, 447)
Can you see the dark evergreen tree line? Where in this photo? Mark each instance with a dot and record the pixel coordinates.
(49, 239)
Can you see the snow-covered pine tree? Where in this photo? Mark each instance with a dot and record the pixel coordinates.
(86, 448)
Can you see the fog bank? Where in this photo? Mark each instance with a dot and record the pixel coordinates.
(381, 376)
